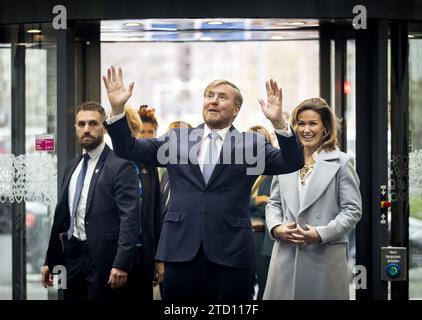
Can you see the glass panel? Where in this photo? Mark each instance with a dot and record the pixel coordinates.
(175, 89)
(415, 169)
(350, 123)
(5, 148)
(40, 119)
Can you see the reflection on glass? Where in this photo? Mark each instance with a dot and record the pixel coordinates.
(415, 169)
(175, 89)
(350, 123)
(40, 105)
(5, 148)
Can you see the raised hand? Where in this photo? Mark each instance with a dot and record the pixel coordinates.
(117, 93)
(273, 108)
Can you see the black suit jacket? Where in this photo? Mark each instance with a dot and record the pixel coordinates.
(151, 216)
(112, 217)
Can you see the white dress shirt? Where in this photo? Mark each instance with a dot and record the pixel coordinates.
(206, 141)
(79, 229)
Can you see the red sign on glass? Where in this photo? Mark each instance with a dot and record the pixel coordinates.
(44, 142)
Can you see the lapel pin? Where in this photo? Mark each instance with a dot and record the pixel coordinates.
(97, 170)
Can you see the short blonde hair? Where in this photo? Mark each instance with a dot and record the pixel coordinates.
(134, 121)
(262, 130)
(329, 140)
(238, 99)
(179, 124)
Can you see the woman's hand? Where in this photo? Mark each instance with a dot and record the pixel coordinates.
(288, 232)
(309, 236)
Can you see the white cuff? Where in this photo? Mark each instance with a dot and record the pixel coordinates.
(113, 119)
(285, 133)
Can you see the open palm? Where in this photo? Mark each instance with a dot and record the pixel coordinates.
(117, 93)
(273, 110)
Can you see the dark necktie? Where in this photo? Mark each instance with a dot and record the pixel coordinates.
(165, 192)
(78, 191)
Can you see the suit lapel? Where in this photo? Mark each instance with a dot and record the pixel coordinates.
(64, 194)
(226, 152)
(194, 141)
(324, 172)
(68, 175)
(95, 175)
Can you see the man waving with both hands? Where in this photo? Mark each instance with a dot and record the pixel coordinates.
(206, 241)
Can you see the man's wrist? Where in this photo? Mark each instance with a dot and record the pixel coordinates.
(115, 111)
(280, 125)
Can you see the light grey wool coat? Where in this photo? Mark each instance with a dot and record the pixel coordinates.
(332, 203)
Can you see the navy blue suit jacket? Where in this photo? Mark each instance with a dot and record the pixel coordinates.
(112, 218)
(214, 214)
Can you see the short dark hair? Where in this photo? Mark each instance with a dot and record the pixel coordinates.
(91, 106)
(147, 114)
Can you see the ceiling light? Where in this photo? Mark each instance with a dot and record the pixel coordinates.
(206, 39)
(297, 23)
(215, 22)
(132, 24)
(276, 37)
(411, 36)
(33, 30)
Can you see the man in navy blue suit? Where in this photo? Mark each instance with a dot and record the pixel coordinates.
(206, 241)
(97, 218)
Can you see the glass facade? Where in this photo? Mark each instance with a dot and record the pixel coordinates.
(29, 177)
(5, 149)
(170, 76)
(175, 89)
(415, 168)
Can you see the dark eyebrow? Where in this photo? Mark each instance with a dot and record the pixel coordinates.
(91, 122)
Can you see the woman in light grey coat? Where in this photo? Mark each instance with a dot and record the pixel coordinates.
(310, 212)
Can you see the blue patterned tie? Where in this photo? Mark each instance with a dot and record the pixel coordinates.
(210, 156)
(78, 191)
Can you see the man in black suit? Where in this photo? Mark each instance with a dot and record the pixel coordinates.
(206, 240)
(97, 221)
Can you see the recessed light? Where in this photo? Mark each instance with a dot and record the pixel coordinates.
(132, 24)
(411, 36)
(215, 22)
(33, 31)
(296, 23)
(206, 39)
(276, 37)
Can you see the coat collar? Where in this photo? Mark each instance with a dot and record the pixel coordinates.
(326, 167)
